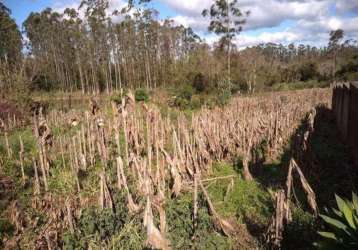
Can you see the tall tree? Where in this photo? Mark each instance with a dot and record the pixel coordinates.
(226, 20)
(10, 48)
(10, 37)
(335, 37)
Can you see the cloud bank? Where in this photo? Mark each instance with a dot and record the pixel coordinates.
(277, 21)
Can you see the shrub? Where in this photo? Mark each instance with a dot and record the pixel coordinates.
(186, 92)
(183, 97)
(181, 103)
(308, 71)
(199, 83)
(343, 224)
(141, 95)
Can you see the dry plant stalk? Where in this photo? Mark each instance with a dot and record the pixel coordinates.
(282, 212)
(69, 216)
(278, 221)
(105, 198)
(8, 149)
(195, 202)
(311, 197)
(155, 238)
(133, 208)
(21, 157)
(37, 181)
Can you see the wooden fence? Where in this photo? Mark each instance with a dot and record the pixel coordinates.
(345, 108)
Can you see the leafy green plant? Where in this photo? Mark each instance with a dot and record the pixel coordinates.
(141, 95)
(343, 226)
(183, 97)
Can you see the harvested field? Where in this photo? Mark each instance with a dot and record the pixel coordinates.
(130, 163)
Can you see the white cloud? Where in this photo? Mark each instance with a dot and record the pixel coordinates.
(285, 37)
(188, 7)
(310, 20)
(264, 13)
(61, 5)
(193, 22)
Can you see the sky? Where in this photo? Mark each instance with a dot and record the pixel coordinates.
(276, 21)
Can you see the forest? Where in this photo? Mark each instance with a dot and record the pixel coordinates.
(99, 51)
(123, 130)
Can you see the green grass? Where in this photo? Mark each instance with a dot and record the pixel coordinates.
(247, 199)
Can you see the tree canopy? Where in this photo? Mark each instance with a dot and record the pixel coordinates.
(10, 37)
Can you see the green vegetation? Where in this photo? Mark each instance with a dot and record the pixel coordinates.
(342, 225)
(141, 95)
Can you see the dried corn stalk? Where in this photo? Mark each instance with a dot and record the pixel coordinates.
(155, 238)
(131, 205)
(278, 222)
(105, 198)
(311, 197)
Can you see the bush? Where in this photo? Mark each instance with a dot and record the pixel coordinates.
(183, 97)
(141, 95)
(343, 224)
(199, 83)
(186, 93)
(308, 71)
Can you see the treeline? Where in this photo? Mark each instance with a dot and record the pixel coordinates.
(92, 50)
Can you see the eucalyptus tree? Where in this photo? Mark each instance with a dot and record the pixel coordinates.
(10, 47)
(10, 37)
(335, 37)
(227, 20)
(76, 40)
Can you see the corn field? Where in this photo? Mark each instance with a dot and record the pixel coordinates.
(150, 157)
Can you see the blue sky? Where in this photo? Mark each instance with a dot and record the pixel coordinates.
(279, 21)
